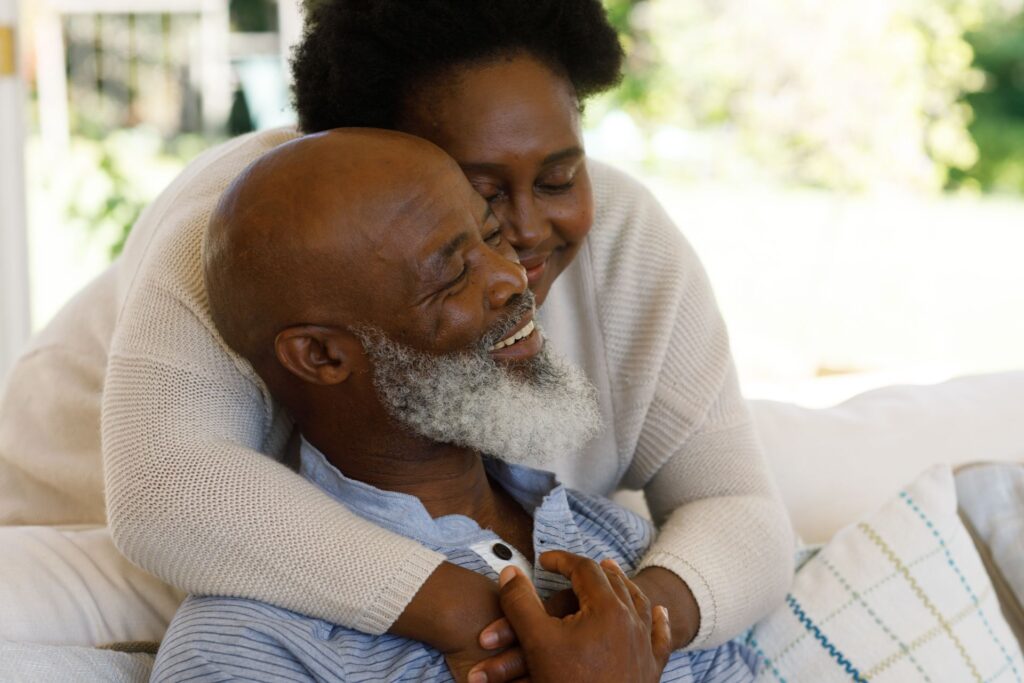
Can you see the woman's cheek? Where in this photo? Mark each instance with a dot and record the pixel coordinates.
(573, 221)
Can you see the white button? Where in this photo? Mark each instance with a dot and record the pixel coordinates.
(485, 549)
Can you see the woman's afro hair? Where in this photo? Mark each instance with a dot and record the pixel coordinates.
(360, 60)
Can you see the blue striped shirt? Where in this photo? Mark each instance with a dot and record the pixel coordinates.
(230, 639)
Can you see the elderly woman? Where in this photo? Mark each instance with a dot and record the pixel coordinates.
(187, 425)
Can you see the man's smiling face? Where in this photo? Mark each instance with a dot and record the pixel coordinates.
(439, 277)
(451, 338)
(364, 264)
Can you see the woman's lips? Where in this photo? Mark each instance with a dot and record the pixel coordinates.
(535, 267)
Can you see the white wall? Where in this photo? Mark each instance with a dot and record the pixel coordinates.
(14, 308)
(289, 27)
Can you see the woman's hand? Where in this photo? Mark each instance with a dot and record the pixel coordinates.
(448, 613)
(614, 636)
(662, 587)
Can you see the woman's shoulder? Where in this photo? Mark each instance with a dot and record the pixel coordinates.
(615, 189)
(192, 195)
(632, 231)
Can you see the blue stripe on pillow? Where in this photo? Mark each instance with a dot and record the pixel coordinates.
(848, 666)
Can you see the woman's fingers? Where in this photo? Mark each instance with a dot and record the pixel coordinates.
(504, 667)
(497, 634)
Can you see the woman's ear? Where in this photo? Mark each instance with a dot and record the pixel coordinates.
(318, 355)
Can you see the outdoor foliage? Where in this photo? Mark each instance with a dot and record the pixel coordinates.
(998, 126)
(104, 184)
(847, 95)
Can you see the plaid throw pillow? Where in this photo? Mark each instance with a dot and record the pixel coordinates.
(901, 596)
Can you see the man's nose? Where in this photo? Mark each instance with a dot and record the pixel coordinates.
(506, 278)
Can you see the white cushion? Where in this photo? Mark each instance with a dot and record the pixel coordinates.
(991, 498)
(837, 464)
(31, 663)
(70, 586)
(900, 597)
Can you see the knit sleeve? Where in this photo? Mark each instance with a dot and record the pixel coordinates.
(192, 495)
(679, 414)
(723, 527)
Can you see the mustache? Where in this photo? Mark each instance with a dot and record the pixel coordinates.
(519, 306)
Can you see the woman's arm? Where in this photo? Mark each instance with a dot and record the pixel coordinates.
(724, 530)
(192, 497)
(188, 429)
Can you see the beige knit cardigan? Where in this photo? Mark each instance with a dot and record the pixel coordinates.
(192, 497)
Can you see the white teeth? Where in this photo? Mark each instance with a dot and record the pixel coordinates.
(521, 334)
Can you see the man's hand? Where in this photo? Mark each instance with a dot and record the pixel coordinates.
(614, 636)
(510, 663)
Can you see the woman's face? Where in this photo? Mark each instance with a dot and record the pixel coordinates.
(513, 125)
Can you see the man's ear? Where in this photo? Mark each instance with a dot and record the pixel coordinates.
(318, 355)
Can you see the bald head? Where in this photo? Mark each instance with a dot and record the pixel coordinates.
(293, 239)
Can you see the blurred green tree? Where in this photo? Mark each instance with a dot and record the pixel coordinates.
(253, 16)
(998, 125)
(849, 94)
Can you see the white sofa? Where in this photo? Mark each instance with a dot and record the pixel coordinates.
(66, 590)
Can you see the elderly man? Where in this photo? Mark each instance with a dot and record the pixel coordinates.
(368, 286)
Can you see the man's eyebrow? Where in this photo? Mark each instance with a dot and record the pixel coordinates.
(436, 261)
(553, 158)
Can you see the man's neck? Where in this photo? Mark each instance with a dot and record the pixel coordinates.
(447, 479)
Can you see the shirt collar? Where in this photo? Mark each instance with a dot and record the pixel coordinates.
(404, 514)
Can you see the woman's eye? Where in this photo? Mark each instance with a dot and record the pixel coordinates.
(488, 191)
(557, 187)
(494, 238)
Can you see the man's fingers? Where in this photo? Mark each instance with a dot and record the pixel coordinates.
(562, 604)
(589, 581)
(617, 580)
(497, 634)
(521, 604)
(661, 635)
(504, 667)
(637, 598)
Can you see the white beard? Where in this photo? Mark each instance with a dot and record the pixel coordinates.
(545, 409)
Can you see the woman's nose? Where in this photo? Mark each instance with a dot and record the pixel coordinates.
(525, 226)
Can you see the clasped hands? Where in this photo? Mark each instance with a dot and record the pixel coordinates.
(603, 629)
